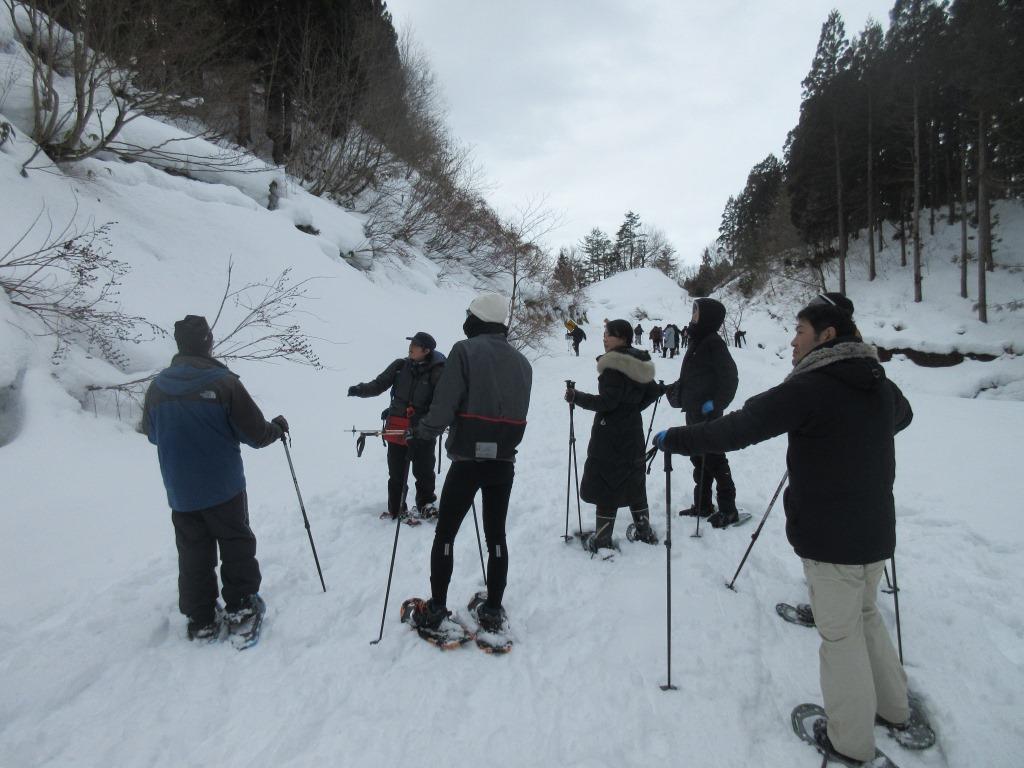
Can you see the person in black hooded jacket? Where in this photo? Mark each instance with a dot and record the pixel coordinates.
(614, 474)
(707, 384)
(412, 381)
(841, 414)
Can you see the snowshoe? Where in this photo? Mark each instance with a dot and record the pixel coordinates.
(916, 733)
(493, 635)
(598, 546)
(207, 631)
(641, 532)
(438, 626)
(796, 614)
(809, 723)
(404, 515)
(245, 623)
(425, 512)
(722, 519)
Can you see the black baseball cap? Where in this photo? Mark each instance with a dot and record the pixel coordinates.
(423, 339)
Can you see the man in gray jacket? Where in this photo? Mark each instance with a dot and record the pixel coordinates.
(483, 395)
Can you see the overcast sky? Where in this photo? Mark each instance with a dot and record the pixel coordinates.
(603, 106)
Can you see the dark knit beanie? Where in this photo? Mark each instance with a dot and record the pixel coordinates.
(193, 335)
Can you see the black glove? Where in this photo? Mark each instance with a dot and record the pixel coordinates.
(570, 395)
(353, 391)
(281, 421)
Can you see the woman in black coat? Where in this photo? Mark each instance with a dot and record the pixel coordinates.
(614, 474)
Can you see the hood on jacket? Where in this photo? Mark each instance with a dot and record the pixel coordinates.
(190, 373)
(633, 363)
(712, 315)
(435, 359)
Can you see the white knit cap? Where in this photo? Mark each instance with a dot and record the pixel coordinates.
(490, 307)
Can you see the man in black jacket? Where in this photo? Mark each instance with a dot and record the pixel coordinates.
(412, 381)
(707, 384)
(196, 413)
(841, 414)
(483, 397)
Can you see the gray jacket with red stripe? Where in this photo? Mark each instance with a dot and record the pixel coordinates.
(483, 395)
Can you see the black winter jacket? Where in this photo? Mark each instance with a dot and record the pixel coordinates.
(841, 413)
(614, 474)
(484, 396)
(411, 384)
(707, 371)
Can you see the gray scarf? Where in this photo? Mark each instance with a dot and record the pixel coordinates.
(819, 358)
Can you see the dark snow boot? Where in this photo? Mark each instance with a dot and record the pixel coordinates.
(427, 615)
(825, 744)
(490, 619)
(723, 518)
(706, 510)
(641, 531)
(204, 630)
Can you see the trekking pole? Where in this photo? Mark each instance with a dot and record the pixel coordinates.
(896, 597)
(700, 495)
(755, 534)
(394, 551)
(440, 448)
(303, 508)
(889, 589)
(570, 384)
(668, 568)
(653, 413)
(479, 546)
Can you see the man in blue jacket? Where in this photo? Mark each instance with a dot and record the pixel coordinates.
(197, 413)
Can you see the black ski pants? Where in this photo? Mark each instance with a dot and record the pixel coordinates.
(716, 469)
(422, 452)
(494, 480)
(198, 535)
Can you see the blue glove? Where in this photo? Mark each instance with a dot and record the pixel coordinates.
(708, 407)
(659, 439)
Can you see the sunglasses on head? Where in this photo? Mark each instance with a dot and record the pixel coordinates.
(821, 299)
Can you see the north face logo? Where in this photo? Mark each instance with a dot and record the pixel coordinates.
(208, 394)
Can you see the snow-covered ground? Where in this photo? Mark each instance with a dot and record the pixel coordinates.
(94, 664)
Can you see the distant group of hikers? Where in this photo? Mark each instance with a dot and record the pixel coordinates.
(669, 340)
(837, 407)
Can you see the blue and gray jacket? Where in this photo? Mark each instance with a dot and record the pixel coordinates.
(197, 413)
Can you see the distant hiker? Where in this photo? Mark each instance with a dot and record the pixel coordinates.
(841, 413)
(738, 338)
(196, 413)
(707, 384)
(655, 335)
(483, 396)
(684, 337)
(670, 340)
(412, 381)
(638, 332)
(615, 475)
(578, 336)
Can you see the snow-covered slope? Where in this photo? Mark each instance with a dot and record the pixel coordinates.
(93, 659)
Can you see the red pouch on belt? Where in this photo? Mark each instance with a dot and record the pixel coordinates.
(398, 425)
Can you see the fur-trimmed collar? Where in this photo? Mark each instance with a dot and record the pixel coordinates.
(822, 356)
(640, 370)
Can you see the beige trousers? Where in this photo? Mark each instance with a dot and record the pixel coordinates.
(861, 674)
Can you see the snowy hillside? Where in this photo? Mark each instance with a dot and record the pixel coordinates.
(95, 666)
